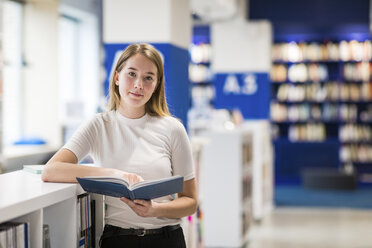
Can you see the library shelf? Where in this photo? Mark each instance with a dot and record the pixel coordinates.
(223, 186)
(236, 182)
(26, 198)
(324, 82)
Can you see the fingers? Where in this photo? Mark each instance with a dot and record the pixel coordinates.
(140, 179)
(140, 207)
(133, 203)
(133, 178)
(125, 200)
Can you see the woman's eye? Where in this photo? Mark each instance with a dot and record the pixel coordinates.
(148, 78)
(132, 74)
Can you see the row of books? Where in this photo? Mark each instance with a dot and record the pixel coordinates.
(247, 154)
(313, 112)
(361, 71)
(330, 91)
(347, 133)
(207, 93)
(354, 132)
(309, 92)
(193, 224)
(15, 235)
(356, 153)
(246, 216)
(199, 73)
(86, 221)
(299, 72)
(246, 187)
(200, 53)
(307, 132)
(193, 229)
(366, 114)
(327, 51)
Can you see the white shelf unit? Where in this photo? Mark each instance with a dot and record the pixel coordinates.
(25, 197)
(193, 225)
(226, 182)
(262, 168)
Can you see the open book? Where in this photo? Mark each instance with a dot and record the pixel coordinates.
(118, 187)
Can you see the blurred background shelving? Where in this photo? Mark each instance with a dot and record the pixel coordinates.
(321, 95)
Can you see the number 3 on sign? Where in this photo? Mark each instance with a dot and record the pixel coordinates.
(232, 86)
(250, 84)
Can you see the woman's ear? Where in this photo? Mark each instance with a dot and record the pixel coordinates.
(116, 78)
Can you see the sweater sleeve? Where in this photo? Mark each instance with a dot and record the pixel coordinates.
(182, 161)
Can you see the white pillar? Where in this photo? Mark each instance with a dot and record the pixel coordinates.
(241, 63)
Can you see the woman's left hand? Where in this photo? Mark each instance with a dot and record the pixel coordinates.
(142, 208)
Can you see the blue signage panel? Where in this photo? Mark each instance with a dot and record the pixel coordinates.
(249, 92)
(176, 62)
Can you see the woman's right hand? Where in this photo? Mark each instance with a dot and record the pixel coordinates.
(132, 178)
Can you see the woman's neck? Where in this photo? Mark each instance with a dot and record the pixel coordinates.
(132, 113)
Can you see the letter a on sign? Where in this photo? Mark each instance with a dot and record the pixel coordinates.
(231, 85)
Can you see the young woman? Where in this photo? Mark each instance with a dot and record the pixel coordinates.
(136, 139)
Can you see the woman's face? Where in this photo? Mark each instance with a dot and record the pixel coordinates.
(137, 81)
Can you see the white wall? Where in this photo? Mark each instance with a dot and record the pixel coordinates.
(41, 72)
(249, 51)
(11, 92)
(157, 21)
(80, 56)
(42, 84)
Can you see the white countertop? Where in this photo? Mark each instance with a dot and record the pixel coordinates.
(22, 192)
(25, 150)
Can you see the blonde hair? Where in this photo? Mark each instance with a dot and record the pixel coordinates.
(157, 105)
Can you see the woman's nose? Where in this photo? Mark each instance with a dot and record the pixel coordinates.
(138, 83)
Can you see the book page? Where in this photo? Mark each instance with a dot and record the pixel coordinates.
(109, 179)
(150, 182)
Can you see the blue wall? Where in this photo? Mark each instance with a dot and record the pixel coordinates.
(315, 13)
(296, 20)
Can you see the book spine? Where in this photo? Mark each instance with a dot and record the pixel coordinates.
(3, 236)
(20, 235)
(131, 195)
(27, 235)
(93, 217)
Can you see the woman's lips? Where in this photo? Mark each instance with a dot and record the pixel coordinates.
(135, 94)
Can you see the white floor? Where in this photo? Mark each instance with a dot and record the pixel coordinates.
(312, 227)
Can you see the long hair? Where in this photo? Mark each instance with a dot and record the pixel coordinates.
(157, 104)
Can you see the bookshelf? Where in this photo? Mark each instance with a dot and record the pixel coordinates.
(201, 79)
(25, 198)
(226, 183)
(193, 225)
(322, 96)
(262, 168)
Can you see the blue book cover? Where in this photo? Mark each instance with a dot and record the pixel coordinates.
(118, 187)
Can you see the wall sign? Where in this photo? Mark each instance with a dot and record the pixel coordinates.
(249, 92)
